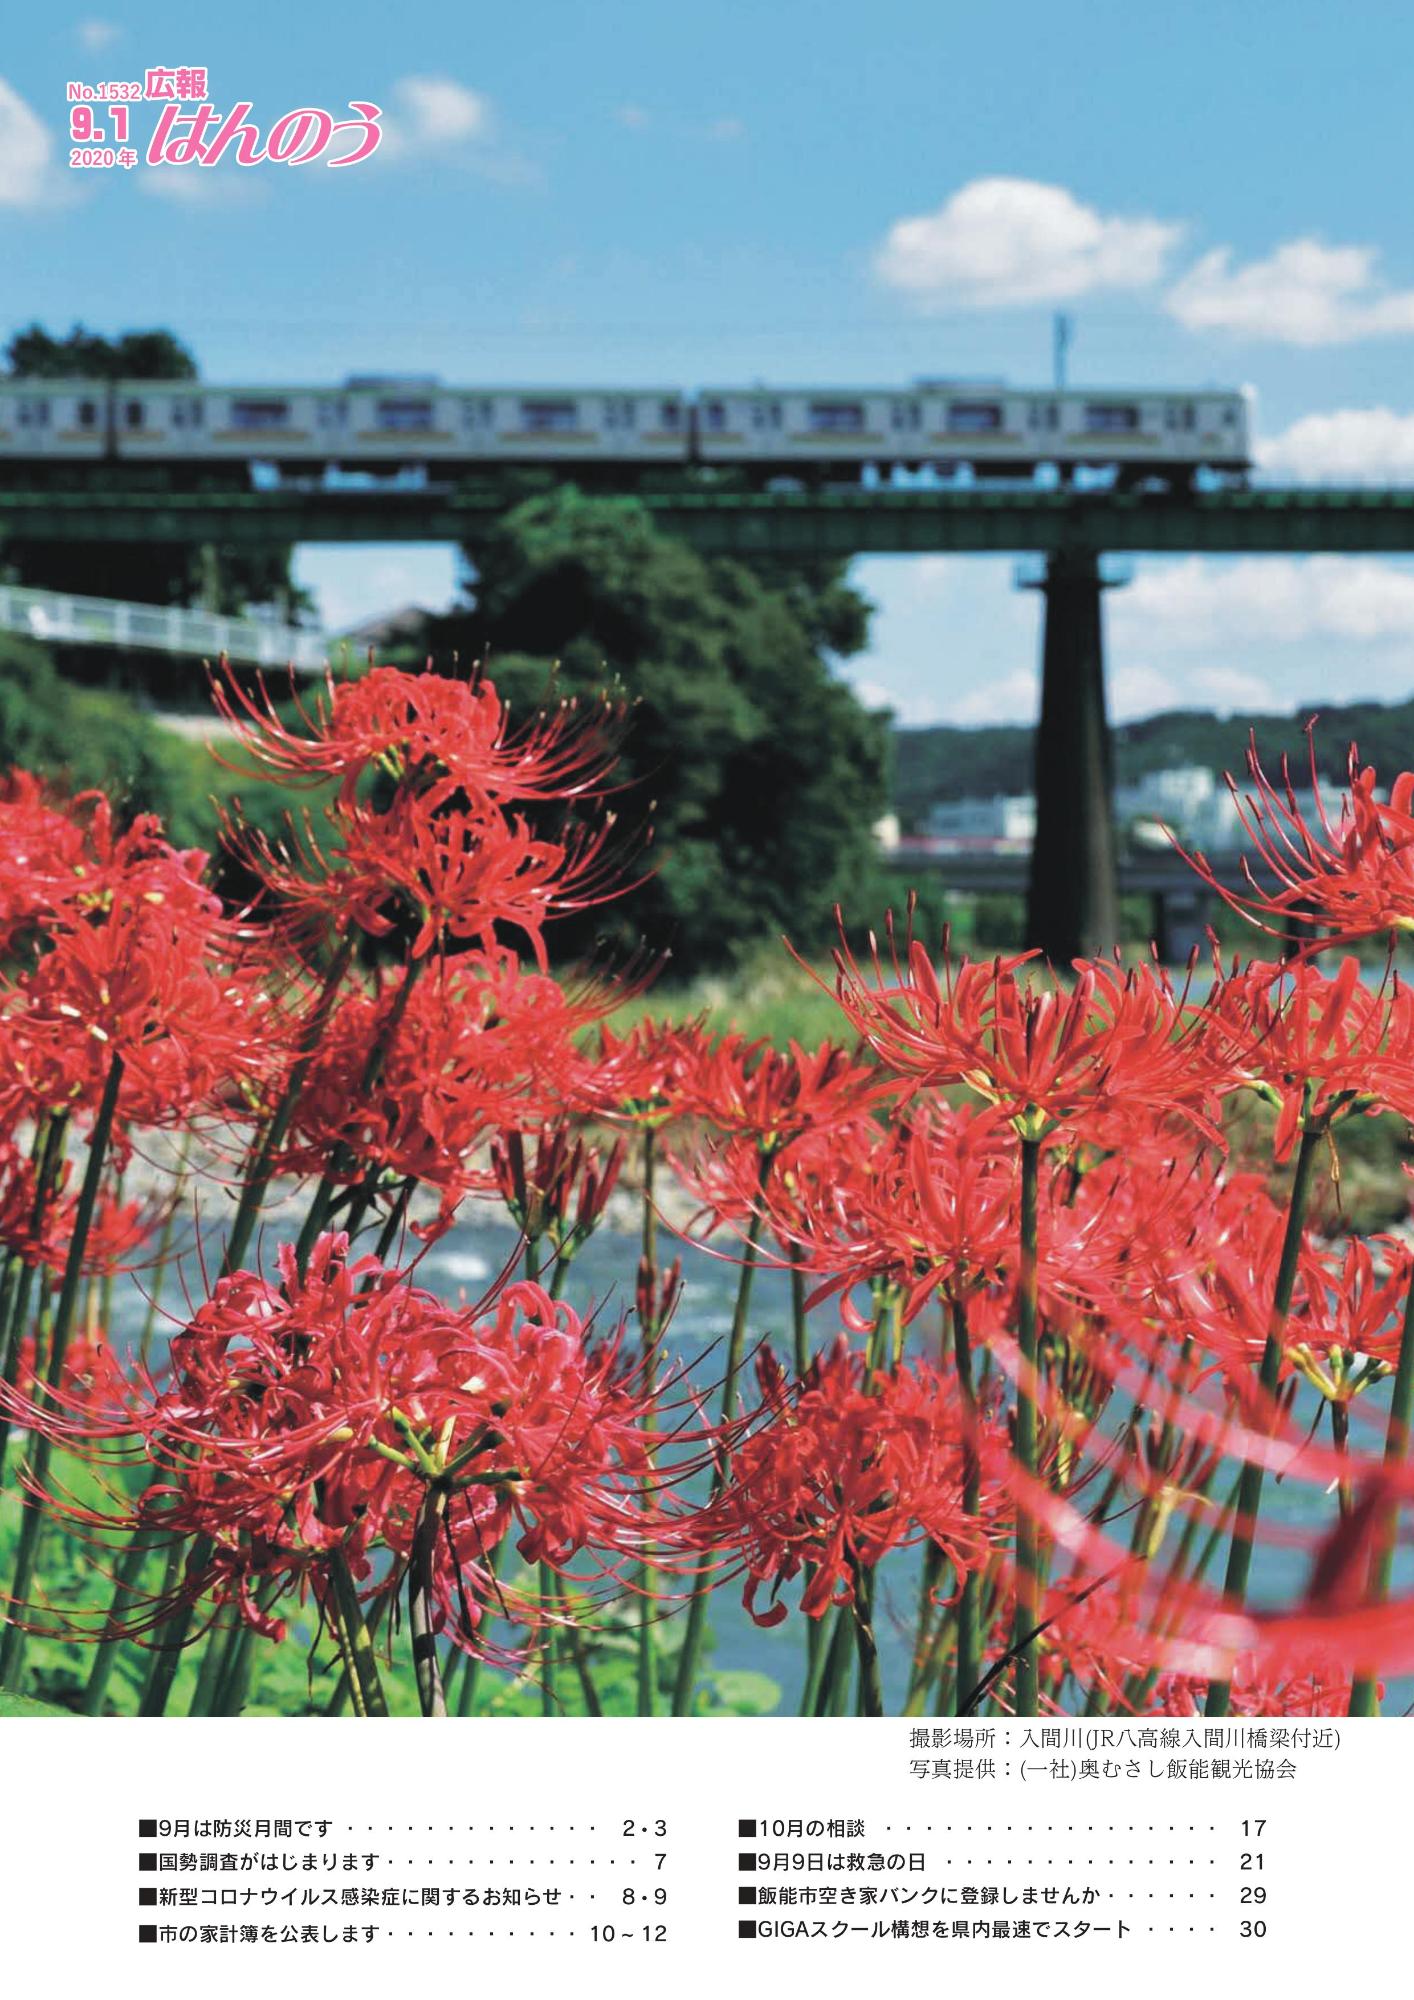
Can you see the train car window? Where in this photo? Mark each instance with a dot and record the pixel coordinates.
(549, 416)
(476, 413)
(905, 416)
(34, 411)
(765, 416)
(1180, 416)
(1116, 418)
(715, 416)
(1043, 417)
(249, 413)
(132, 415)
(670, 416)
(88, 415)
(836, 417)
(331, 413)
(405, 413)
(620, 413)
(974, 418)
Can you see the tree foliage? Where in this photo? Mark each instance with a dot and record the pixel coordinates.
(763, 773)
(151, 356)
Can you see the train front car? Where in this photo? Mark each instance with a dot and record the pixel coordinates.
(55, 420)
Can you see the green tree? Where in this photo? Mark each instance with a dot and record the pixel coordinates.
(763, 773)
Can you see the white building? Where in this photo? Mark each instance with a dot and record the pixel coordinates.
(998, 818)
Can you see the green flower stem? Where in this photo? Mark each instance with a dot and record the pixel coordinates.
(834, 1674)
(969, 1644)
(871, 1686)
(579, 1656)
(471, 1673)
(129, 1574)
(355, 1641)
(430, 1692)
(1028, 1549)
(685, 1684)
(646, 1643)
(40, 1449)
(1364, 1694)
(19, 1279)
(1249, 1491)
(549, 1701)
(261, 1171)
(171, 1635)
(344, 1156)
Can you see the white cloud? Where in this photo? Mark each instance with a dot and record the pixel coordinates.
(439, 111)
(435, 117)
(1001, 241)
(28, 176)
(1013, 697)
(1308, 293)
(96, 36)
(1199, 605)
(1138, 688)
(1351, 447)
(726, 131)
(633, 116)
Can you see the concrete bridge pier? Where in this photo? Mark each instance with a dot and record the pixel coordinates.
(1073, 907)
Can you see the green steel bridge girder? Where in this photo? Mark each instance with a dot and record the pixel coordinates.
(1261, 521)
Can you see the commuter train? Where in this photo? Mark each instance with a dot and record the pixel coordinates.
(374, 422)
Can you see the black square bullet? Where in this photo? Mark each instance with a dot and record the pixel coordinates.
(746, 1829)
(147, 1864)
(746, 1928)
(147, 1933)
(147, 1895)
(147, 1829)
(746, 1894)
(746, 1863)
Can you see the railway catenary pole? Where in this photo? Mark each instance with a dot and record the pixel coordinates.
(1073, 905)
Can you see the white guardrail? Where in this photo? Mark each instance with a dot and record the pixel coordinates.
(167, 628)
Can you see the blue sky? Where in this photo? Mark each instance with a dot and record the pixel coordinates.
(805, 192)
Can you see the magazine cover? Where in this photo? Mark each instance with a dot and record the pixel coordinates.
(706, 868)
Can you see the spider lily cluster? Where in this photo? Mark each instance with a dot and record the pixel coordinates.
(1051, 1344)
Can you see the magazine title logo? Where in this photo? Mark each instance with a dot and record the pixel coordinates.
(192, 131)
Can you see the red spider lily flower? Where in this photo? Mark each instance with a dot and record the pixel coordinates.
(91, 1378)
(1355, 879)
(452, 873)
(160, 980)
(1224, 1301)
(433, 729)
(1354, 1315)
(64, 859)
(922, 1205)
(843, 1469)
(751, 1090)
(316, 1414)
(1118, 1040)
(1317, 1047)
(639, 1076)
(561, 1193)
(482, 1042)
